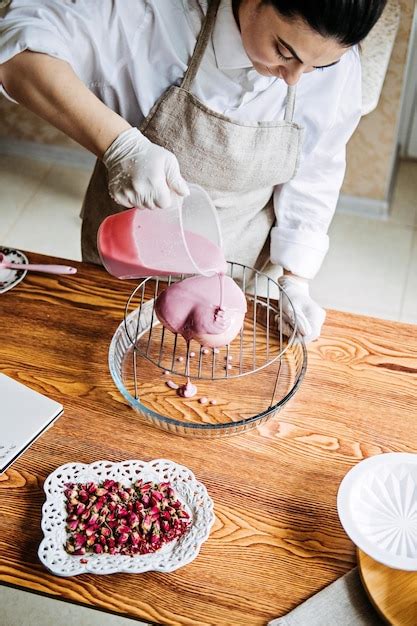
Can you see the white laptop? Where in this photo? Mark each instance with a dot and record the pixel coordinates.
(24, 415)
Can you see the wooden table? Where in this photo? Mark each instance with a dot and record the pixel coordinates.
(277, 538)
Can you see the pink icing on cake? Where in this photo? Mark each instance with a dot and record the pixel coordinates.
(191, 308)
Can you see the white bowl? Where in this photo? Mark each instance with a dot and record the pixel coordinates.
(170, 557)
(377, 506)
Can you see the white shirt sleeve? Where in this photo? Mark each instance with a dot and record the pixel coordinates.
(304, 206)
(87, 35)
(33, 26)
(37, 26)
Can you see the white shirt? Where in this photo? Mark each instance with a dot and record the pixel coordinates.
(128, 52)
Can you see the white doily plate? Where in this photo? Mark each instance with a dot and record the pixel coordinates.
(175, 554)
(377, 505)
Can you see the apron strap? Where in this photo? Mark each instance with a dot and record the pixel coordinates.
(289, 108)
(201, 44)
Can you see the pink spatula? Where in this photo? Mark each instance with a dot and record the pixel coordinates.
(50, 269)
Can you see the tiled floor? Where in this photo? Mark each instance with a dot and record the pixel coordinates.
(371, 268)
(20, 608)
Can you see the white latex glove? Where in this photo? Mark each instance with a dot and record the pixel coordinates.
(310, 316)
(142, 174)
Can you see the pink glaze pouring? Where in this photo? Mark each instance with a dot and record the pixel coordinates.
(138, 243)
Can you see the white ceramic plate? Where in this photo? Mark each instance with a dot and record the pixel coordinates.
(169, 558)
(377, 506)
(11, 278)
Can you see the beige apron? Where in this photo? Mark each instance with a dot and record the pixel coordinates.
(237, 163)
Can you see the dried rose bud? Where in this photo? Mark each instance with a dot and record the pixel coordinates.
(122, 511)
(123, 529)
(93, 519)
(123, 538)
(83, 495)
(145, 500)
(99, 504)
(135, 538)
(133, 520)
(80, 509)
(80, 540)
(90, 531)
(147, 523)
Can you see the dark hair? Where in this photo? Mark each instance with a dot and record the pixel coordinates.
(347, 21)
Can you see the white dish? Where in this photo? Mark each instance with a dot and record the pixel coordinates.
(169, 558)
(11, 278)
(377, 506)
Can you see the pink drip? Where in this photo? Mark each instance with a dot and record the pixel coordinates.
(221, 278)
(188, 390)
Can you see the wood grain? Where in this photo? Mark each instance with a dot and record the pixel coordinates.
(393, 592)
(277, 538)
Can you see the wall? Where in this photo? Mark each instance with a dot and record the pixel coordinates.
(17, 122)
(372, 149)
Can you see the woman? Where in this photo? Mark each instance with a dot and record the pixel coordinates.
(164, 92)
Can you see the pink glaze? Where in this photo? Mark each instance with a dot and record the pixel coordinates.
(172, 385)
(203, 400)
(191, 308)
(213, 401)
(188, 390)
(127, 241)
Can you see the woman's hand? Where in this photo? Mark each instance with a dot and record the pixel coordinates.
(310, 316)
(141, 173)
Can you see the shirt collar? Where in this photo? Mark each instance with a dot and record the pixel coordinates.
(227, 41)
